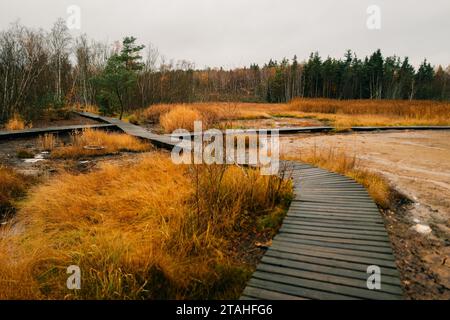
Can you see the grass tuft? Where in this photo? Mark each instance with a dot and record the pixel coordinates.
(47, 142)
(89, 142)
(16, 123)
(13, 185)
(180, 117)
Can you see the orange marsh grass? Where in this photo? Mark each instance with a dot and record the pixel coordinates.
(144, 230)
(89, 142)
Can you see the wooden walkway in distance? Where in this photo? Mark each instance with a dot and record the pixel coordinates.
(161, 141)
(323, 129)
(16, 134)
(332, 232)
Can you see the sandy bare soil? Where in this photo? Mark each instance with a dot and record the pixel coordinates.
(417, 164)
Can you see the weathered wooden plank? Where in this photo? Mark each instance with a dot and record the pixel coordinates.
(34, 132)
(334, 205)
(295, 239)
(264, 294)
(305, 207)
(334, 216)
(337, 264)
(335, 226)
(306, 293)
(341, 240)
(334, 256)
(350, 286)
(345, 251)
(343, 235)
(332, 270)
(310, 216)
(325, 287)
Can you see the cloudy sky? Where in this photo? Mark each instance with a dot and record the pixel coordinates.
(234, 33)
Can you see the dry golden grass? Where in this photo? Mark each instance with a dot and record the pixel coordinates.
(339, 161)
(89, 142)
(12, 185)
(180, 117)
(144, 230)
(348, 113)
(212, 115)
(17, 123)
(47, 142)
(342, 114)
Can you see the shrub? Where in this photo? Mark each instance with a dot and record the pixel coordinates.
(86, 108)
(16, 123)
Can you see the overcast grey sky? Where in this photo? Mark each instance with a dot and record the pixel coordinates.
(234, 33)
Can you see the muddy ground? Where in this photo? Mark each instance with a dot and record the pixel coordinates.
(417, 165)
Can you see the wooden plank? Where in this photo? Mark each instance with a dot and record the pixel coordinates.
(342, 240)
(346, 251)
(300, 208)
(337, 264)
(336, 226)
(295, 239)
(334, 256)
(310, 216)
(327, 287)
(344, 235)
(333, 207)
(332, 270)
(326, 233)
(306, 293)
(34, 132)
(337, 196)
(264, 294)
(335, 216)
(348, 284)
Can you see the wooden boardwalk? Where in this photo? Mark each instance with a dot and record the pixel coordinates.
(332, 232)
(5, 135)
(161, 141)
(324, 129)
